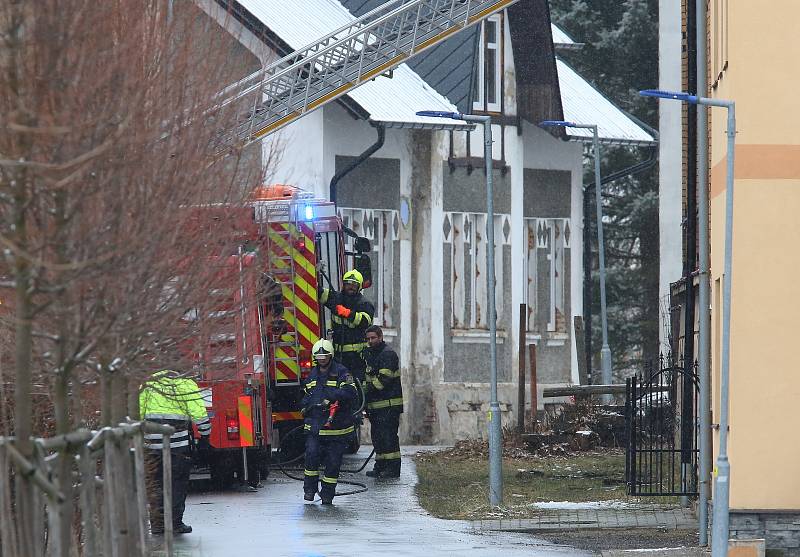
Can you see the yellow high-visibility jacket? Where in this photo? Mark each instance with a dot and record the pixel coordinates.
(174, 401)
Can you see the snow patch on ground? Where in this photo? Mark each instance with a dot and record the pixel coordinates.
(586, 505)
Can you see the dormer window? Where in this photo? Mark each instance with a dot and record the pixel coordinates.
(487, 89)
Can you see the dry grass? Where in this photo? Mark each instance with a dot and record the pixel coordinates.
(454, 483)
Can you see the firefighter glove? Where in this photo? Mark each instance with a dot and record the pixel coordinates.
(342, 311)
(203, 444)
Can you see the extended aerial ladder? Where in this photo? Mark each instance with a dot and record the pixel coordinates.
(323, 71)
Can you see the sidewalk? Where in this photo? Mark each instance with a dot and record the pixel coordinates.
(595, 519)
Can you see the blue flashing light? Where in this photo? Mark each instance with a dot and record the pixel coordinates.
(440, 114)
(309, 212)
(559, 123)
(673, 95)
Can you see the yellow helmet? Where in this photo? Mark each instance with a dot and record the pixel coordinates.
(354, 276)
(323, 347)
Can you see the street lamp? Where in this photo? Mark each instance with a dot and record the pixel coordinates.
(495, 435)
(720, 531)
(605, 351)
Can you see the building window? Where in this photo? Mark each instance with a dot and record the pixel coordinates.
(487, 86)
(381, 227)
(546, 281)
(465, 232)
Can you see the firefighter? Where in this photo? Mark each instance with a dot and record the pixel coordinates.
(172, 400)
(384, 395)
(328, 405)
(351, 315)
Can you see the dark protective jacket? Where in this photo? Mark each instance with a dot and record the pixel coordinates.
(334, 385)
(348, 332)
(382, 385)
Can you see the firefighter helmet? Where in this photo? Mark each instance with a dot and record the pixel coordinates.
(354, 276)
(323, 347)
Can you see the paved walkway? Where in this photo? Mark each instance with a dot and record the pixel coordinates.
(386, 520)
(595, 518)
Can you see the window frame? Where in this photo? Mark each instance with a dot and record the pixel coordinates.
(481, 100)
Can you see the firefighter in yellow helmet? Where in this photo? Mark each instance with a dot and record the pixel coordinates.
(351, 314)
(328, 404)
(167, 398)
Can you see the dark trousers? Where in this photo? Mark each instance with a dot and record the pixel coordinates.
(384, 424)
(181, 467)
(326, 450)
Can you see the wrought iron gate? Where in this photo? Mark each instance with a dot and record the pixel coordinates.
(660, 413)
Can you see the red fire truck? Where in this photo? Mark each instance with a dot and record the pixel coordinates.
(264, 318)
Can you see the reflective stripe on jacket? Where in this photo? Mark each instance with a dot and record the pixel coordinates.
(382, 384)
(173, 401)
(348, 332)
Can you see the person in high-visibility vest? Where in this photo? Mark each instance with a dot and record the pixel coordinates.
(170, 399)
(351, 314)
(328, 405)
(384, 396)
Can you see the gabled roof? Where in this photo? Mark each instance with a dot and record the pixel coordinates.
(562, 41)
(540, 94)
(584, 104)
(288, 26)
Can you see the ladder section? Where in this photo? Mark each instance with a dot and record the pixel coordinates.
(371, 45)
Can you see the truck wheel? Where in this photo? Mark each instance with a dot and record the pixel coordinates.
(264, 462)
(221, 469)
(292, 446)
(355, 440)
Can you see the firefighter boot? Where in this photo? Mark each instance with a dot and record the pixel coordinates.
(309, 495)
(389, 472)
(182, 528)
(376, 470)
(327, 492)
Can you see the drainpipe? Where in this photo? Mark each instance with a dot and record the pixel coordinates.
(358, 160)
(640, 166)
(704, 340)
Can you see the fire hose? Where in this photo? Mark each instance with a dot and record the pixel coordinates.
(332, 410)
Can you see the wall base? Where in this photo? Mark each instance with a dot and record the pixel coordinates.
(780, 529)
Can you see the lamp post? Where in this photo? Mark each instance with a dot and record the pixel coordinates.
(605, 351)
(720, 526)
(495, 435)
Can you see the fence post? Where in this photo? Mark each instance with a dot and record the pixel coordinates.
(87, 501)
(8, 533)
(534, 387)
(523, 310)
(110, 489)
(628, 431)
(141, 494)
(166, 457)
(126, 497)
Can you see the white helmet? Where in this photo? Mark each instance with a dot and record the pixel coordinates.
(323, 347)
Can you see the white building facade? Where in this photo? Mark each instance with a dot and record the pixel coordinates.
(421, 199)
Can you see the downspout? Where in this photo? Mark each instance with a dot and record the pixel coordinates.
(588, 190)
(358, 160)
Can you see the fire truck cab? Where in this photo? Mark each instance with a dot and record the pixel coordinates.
(260, 333)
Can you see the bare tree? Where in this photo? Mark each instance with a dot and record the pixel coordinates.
(110, 128)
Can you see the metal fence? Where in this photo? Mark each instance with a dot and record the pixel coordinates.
(660, 413)
(82, 493)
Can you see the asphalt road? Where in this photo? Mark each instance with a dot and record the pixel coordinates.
(386, 520)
